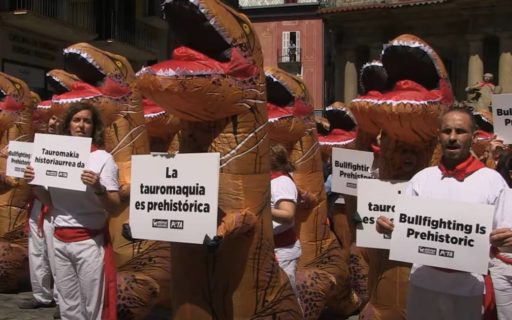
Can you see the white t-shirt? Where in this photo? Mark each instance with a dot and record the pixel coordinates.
(282, 188)
(83, 209)
(485, 186)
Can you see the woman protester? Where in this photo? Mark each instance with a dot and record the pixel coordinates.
(283, 202)
(85, 273)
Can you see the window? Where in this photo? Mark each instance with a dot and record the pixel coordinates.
(290, 46)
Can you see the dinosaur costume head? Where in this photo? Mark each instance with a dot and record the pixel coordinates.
(216, 47)
(407, 98)
(288, 106)
(341, 132)
(14, 96)
(61, 81)
(106, 81)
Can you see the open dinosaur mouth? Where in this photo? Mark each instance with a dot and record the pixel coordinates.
(56, 86)
(279, 100)
(410, 61)
(201, 49)
(340, 118)
(83, 65)
(194, 28)
(151, 109)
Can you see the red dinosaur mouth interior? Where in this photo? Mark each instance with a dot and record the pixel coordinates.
(10, 104)
(188, 62)
(297, 109)
(151, 109)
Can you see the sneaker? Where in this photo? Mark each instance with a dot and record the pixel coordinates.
(34, 304)
(56, 314)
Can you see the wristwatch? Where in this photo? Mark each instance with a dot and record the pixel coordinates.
(101, 192)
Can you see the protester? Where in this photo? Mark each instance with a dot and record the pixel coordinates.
(283, 203)
(40, 251)
(436, 293)
(83, 266)
(501, 238)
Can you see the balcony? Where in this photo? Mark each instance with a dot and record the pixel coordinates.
(67, 20)
(350, 5)
(291, 62)
(248, 4)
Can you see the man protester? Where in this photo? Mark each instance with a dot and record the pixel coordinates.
(436, 293)
(41, 252)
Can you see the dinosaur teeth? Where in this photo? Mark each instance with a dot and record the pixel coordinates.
(84, 55)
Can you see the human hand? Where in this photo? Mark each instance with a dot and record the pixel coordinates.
(28, 174)
(501, 237)
(92, 179)
(384, 225)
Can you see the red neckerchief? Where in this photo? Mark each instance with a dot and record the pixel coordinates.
(277, 174)
(94, 147)
(463, 169)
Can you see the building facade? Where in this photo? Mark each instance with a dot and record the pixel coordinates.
(292, 38)
(472, 37)
(33, 33)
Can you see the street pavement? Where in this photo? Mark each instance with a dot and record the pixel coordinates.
(9, 310)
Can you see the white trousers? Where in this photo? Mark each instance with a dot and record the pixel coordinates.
(287, 258)
(501, 274)
(424, 304)
(41, 257)
(80, 278)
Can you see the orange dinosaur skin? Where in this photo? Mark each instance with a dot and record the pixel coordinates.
(223, 111)
(340, 131)
(322, 272)
(143, 266)
(163, 128)
(407, 113)
(15, 125)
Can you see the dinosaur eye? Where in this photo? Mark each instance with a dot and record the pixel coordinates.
(17, 86)
(119, 64)
(246, 28)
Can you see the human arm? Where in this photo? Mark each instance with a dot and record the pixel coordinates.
(108, 198)
(284, 211)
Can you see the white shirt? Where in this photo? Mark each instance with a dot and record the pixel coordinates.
(485, 186)
(282, 188)
(83, 209)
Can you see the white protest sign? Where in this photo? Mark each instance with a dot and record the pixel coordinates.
(347, 167)
(502, 116)
(59, 161)
(375, 198)
(440, 233)
(18, 158)
(174, 198)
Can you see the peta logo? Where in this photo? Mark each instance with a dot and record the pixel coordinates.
(176, 224)
(427, 250)
(160, 223)
(446, 253)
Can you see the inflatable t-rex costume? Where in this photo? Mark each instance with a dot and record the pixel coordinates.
(143, 266)
(415, 91)
(322, 272)
(16, 107)
(215, 84)
(340, 131)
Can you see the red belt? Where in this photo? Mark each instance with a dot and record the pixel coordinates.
(285, 239)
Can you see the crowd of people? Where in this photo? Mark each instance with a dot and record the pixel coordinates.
(68, 239)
